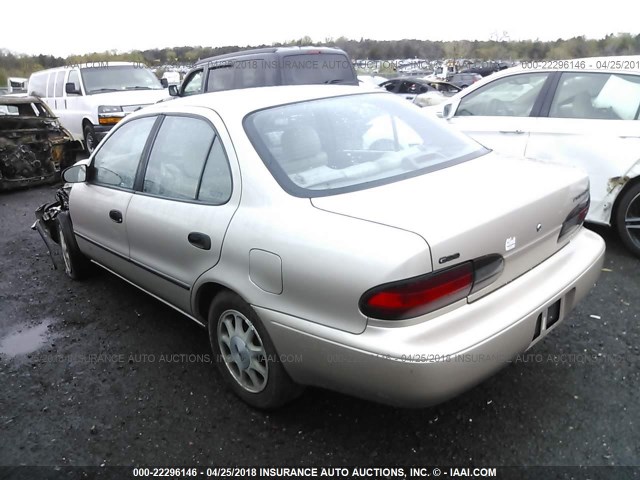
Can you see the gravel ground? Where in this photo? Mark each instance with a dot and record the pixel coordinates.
(98, 373)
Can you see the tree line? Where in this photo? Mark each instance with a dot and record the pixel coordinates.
(499, 47)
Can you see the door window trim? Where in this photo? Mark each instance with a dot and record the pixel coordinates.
(144, 162)
(150, 137)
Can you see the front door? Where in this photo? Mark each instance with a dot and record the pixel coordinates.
(100, 226)
(498, 115)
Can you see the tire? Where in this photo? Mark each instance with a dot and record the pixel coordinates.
(627, 220)
(90, 139)
(254, 374)
(76, 265)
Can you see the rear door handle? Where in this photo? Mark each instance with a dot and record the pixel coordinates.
(199, 240)
(116, 216)
(519, 132)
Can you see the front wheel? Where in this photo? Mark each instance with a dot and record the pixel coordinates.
(627, 219)
(76, 265)
(90, 139)
(245, 354)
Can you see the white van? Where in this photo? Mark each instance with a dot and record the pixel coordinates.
(89, 99)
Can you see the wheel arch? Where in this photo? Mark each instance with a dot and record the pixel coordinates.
(627, 186)
(204, 296)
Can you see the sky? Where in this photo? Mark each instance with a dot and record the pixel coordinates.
(65, 27)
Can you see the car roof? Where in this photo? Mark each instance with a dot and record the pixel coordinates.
(240, 102)
(269, 50)
(96, 64)
(11, 100)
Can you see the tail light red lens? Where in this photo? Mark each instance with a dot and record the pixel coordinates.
(575, 218)
(420, 295)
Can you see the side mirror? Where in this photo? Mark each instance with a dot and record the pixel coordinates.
(164, 82)
(447, 111)
(75, 174)
(71, 89)
(173, 91)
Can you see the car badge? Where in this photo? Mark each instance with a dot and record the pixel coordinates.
(510, 243)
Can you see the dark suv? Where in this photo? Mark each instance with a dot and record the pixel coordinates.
(267, 67)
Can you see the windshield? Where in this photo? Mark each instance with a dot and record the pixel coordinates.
(333, 145)
(122, 77)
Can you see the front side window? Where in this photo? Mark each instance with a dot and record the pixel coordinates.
(607, 96)
(512, 96)
(178, 158)
(74, 78)
(333, 145)
(193, 85)
(116, 162)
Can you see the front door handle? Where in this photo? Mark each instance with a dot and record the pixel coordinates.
(518, 132)
(116, 216)
(199, 240)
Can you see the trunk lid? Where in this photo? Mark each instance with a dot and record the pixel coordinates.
(491, 205)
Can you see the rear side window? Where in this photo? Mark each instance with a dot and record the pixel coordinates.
(310, 68)
(59, 83)
(512, 96)
(221, 78)
(607, 96)
(216, 180)
(116, 162)
(38, 85)
(51, 82)
(178, 158)
(260, 72)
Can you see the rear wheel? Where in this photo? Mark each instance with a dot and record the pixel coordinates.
(245, 354)
(627, 219)
(76, 265)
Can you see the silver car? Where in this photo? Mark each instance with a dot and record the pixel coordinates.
(330, 236)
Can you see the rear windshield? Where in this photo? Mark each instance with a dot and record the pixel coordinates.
(316, 68)
(102, 79)
(339, 144)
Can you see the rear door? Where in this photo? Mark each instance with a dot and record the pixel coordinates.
(591, 122)
(500, 114)
(177, 219)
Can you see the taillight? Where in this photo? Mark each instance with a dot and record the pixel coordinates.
(420, 295)
(575, 218)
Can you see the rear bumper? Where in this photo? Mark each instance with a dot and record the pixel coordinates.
(427, 362)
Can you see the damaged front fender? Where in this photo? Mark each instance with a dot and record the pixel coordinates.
(46, 220)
